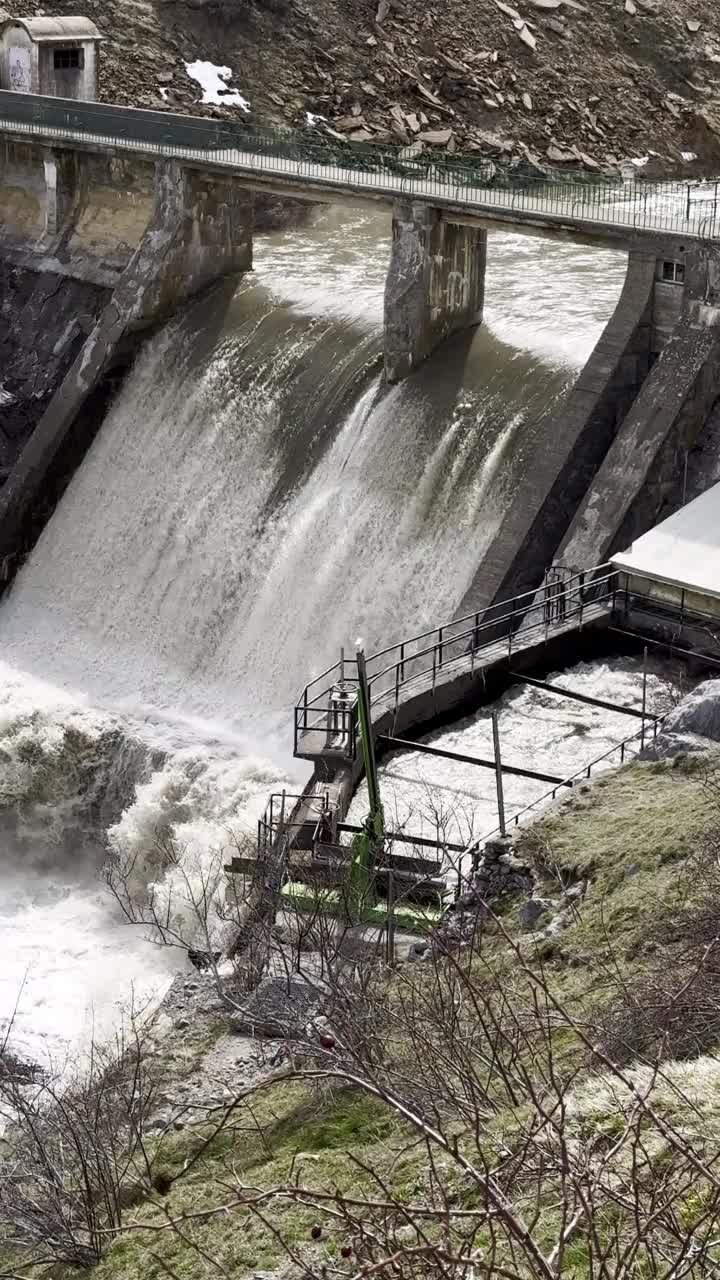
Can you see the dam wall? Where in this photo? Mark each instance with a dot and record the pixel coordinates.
(648, 321)
(92, 250)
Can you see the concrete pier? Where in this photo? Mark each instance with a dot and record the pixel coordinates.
(435, 284)
(574, 442)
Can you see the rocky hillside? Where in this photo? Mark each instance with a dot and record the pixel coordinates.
(562, 81)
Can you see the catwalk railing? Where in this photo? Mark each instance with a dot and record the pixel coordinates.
(318, 157)
(325, 715)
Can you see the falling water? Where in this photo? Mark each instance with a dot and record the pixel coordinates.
(254, 499)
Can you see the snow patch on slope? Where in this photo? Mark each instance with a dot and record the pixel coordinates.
(214, 82)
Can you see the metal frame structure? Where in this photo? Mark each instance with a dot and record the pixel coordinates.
(419, 662)
(315, 158)
(469, 644)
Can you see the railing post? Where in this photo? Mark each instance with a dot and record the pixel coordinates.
(644, 698)
(440, 646)
(498, 774)
(402, 662)
(391, 918)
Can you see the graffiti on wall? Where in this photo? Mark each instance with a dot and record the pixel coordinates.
(20, 67)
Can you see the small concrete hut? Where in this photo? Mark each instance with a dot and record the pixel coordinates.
(53, 56)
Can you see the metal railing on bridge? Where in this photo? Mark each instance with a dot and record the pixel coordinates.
(320, 157)
(325, 715)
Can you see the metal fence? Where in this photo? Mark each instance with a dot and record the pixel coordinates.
(315, 157)
(473, 643)
(325, 726)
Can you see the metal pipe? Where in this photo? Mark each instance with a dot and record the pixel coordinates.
(562, 692)
(644, 697)
(405, 744)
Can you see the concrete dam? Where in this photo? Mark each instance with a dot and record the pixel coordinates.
(138, 211)
(251, 492)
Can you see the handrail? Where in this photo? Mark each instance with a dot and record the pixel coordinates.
(649, 729)
(687, 208)
(455, 644)
(495, 634)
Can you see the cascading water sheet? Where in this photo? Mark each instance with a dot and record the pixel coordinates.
(254, 499)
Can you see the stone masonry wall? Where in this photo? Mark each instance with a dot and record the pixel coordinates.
(44, 321)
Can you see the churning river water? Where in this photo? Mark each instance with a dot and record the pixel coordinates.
(254, 499)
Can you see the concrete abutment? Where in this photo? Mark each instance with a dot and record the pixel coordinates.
(641, 478)
(199, 230)
(573, 444)
(435, 284)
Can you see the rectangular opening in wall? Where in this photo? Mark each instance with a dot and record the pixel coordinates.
(68, 59)
(673, 272)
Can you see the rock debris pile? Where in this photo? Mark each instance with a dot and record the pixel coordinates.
(595, 84)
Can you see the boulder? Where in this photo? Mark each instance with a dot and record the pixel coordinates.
(692, 726)
(531, 911)
(698, 713)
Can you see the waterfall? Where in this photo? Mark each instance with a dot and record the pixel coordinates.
(254, 499)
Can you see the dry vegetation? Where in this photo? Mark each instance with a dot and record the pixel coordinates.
(544, 1105)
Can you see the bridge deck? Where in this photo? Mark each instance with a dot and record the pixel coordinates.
(601, 209)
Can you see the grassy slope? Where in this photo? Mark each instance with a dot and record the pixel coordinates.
(299, 1132)
(624, 833)
(644, 819)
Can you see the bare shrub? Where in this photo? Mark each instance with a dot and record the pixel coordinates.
(75, 1153)
(525, 1164)
(195, 905)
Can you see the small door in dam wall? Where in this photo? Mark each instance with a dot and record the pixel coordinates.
(20, 69)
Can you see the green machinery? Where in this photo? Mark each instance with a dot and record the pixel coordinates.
(346, 886)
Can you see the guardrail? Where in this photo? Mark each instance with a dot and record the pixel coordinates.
(691, 209)
(326, 725)
(620, 752)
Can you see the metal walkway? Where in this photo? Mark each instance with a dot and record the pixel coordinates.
(437, 668)
(326, 724)
(314, 164)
